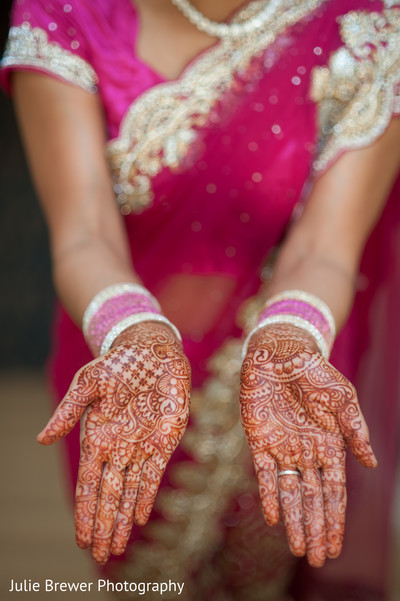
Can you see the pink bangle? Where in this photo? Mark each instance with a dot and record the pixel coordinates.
(116, 308)
(303, 310)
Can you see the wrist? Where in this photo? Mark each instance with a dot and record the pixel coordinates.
(116, 309)
(282, 332)
(300, 310)
(130, 334)
(324, 277)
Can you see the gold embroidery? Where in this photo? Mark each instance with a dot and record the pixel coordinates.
(162, 123)
(356, 93)
(30, 47)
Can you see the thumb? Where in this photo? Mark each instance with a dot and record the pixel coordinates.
(82, 392)
(360, 446)
(356, 434)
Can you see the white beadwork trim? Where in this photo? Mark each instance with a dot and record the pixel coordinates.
(355, 92)
(226, 30)
(108, 293)
(30, 47)
(295, 321)
(132, 320)
(309, 298)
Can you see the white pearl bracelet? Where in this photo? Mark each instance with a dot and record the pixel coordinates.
(295, 321)
(132, 320)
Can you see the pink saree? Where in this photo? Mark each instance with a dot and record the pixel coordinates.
(209, 169)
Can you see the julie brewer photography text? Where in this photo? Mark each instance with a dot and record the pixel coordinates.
(51, 586)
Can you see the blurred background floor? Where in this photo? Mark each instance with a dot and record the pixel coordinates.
(37, 536)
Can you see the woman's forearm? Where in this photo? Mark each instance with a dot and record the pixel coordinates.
(64, 136)
(323, 250)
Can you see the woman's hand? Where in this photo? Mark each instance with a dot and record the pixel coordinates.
(135, 407)
(299, 413)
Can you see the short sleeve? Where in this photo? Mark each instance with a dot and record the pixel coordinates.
(358, 91)
(46, 36)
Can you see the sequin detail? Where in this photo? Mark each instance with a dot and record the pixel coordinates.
(30, 47)
(162, 124)
(358, 91)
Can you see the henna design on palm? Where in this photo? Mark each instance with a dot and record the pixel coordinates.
(135, 407)
(299, 412)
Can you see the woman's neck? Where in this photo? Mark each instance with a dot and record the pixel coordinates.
(167, 41)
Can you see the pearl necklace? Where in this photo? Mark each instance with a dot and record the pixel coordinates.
(225, 30)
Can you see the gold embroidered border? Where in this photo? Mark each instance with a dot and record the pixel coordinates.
(160, 125)
(356, 93)
(30, 47)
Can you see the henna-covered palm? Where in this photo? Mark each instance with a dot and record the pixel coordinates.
(135, 406)
(299, 412)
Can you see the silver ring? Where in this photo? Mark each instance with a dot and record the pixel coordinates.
(288, 472)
